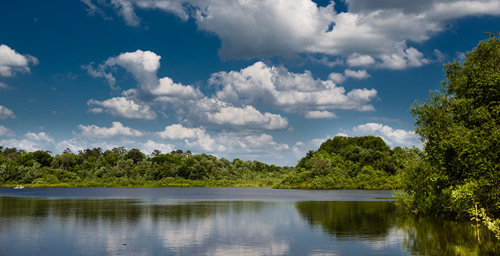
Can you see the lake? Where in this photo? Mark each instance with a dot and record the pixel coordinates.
(225, 221)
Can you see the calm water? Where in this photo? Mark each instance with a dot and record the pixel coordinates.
(224, 221)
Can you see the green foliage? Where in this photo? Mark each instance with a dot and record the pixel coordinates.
(119, 167)
(460, 125)
(352, 163)
(134, 154)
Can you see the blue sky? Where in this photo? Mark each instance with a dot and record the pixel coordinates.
(260, 80)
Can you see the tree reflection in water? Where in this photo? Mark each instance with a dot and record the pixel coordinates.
(239, 227)
(344, 220)
(435, 236)
(376, 221)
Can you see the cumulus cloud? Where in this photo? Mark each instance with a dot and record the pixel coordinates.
(117, 130)
(32, 142)
(4, 131)
(356, 60)
(95, 110)
(178, 132)
(221, 115)
(228, 143)
(402, 58)
(238, 96)
(122, 108)
(6, 113)
(150, 146)
(42, 136)
(193, 137)
(202, 110)
(246, 116)
(337, 78)
(250, 144)
(320, 114)
(260, 85)
(12, 62)
(370, 33)
(142, 64)
(167, 90)
(393, 137)
(358, 75)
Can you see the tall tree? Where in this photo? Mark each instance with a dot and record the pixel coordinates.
(460, 125)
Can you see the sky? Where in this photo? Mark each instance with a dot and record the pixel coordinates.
(263, 80)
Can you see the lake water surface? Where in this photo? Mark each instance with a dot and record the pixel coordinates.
(224, 221)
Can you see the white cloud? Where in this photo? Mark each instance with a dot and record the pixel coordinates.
(356, 60)
(262, 86)
(142, 64)
(402, 58)
(370, 33)
(337, 78)
(12, 62)
(227, 143)
(32, 142)
(250, 144)
(342, 134)
(221, 115)
(150, 146)
(6, 113)
(320, 114)
(358, 75)
(4, 86)
(168, 90)
(95, 110)
(4, 131)
(178, 132)
(117, 130)
(193, 137)
(238, 96)
(393, 137)
(123, 108)
(42, 136)
(247, 117)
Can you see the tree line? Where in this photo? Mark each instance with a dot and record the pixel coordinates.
(121, 167)
(340, 163)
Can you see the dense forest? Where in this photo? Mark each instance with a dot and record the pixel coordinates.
(119, 167)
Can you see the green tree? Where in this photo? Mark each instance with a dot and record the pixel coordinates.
(460, 125)
(135, 154)
(43, 157)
